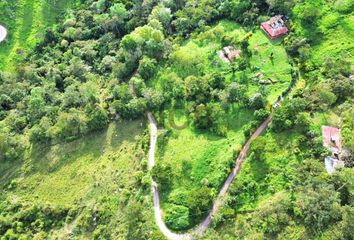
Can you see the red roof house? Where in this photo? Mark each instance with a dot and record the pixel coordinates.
(275, 27)
(229, 53)
(331, 137)
(234, 54)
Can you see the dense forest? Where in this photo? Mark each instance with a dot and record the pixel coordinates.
(69, 97)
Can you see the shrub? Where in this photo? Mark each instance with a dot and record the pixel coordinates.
(177, 217)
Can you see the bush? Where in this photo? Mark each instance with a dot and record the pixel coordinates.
(177, 217)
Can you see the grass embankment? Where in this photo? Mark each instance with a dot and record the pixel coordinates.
(26, 21)
(96, 174)
(260, 183)
(67, 172)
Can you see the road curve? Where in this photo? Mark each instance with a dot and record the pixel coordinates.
(200, 229)
(156, 197)
(3, 33)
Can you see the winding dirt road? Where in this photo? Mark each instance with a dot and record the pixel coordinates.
(200, 229)
(156, 197)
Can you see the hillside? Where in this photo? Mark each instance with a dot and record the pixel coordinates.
(79, 79)
(26, 21)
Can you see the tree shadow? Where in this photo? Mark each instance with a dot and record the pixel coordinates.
(259, 168)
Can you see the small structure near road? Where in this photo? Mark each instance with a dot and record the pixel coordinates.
(3, 33)
(229, 54)
(331, 141)
(331, 138)
(275, 27)
(332, 164)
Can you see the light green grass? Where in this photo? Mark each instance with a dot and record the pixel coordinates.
(26, 21)
(201, 49)
(196, 156)
(279, 69)
(337, 40)
(98, 164)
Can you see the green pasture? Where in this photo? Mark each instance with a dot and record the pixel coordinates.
(86, 168)
(26, 21)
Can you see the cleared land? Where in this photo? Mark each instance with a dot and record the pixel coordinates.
(96, 173)
(26, 21)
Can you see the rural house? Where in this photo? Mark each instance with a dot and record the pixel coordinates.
(275, 27)
(331, 141)
(229, 53)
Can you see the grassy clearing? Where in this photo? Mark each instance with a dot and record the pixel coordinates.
(336, 40)
(96, 174)
(277, 69)
(200, 158)
(26, 21)
(200, 55)
(84, 169)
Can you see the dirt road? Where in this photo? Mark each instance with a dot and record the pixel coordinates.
(156, 197)
(199, 230)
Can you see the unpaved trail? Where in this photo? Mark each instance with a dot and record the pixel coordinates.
(200, 229)
(156, 197)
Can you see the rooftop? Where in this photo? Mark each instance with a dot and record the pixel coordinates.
(331, 137)
(275, 27)
(229, 53)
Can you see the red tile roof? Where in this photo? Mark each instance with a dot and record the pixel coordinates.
(234, 54)
(331, 137)
(275, 27)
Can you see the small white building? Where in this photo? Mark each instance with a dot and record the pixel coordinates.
(332, 164)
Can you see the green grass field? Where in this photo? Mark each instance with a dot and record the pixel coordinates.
(198, 158)
(336, 39)
(83, 169)
(26, 21)
(99, 173)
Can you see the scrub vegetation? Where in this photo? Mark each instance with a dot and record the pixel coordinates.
(76, 81)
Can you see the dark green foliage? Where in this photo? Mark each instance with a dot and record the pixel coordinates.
(27, 220)
(147, 68)
(177, 217)
(195, 14)
(257, 101)
(210, 116)
(317, 207)
(199, 203)
(162, 175)
(285, 116)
